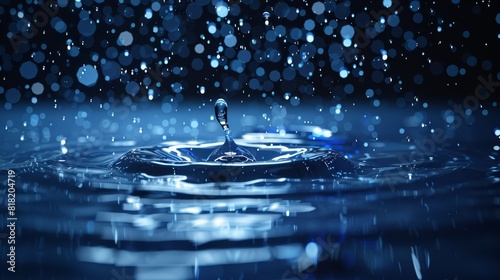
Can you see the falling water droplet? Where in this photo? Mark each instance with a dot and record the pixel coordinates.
(221, 113)
(266, 16)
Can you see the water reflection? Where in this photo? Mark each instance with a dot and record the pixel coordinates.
(391, 218)
(198, 220)
(273, 161)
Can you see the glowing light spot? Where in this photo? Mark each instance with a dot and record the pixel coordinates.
(318, 8)
(312, 250)
(384, 54)
(199, 48)
(148, 14)
(343, 73)
(194, 123)
(125, 39)
(214, 63)
(221, 9)
(347, 32)
(87, 75)
(309, 24)
(369, 93)
(309, 37)
(212, 28)
(37, 88)
(347, 42)
(415, 6)
(230, 40)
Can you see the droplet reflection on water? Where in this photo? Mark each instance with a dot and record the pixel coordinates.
(167, 203)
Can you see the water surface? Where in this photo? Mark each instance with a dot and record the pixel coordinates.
(86, 216)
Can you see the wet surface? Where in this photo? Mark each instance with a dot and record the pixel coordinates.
(397, 215)
(363, 141)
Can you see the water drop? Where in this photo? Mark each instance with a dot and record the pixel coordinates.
(266, 16)
(229, 151)
(221, 113)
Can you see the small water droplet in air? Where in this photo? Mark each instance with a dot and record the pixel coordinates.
(266, 16)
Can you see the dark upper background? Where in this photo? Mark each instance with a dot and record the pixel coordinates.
(276, 51)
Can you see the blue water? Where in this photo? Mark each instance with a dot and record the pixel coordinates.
(361, 139)
(391, 210)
